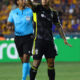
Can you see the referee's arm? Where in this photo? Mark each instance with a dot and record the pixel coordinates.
(10, 21)
(9, 25)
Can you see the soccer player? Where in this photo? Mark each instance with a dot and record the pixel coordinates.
(22, 18)
(44, 17)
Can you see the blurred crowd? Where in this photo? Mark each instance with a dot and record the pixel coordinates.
(69, 13)
(5, 7)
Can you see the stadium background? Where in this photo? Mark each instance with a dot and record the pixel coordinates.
(68, 60)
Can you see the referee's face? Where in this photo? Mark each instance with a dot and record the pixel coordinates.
(21, 2)
(44, 2)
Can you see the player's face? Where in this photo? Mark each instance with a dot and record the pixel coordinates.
(44, 2)
(21, 2)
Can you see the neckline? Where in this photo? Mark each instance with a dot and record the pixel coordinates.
(22, 9)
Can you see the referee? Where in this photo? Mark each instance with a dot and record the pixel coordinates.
(22, 18)
(44, 17)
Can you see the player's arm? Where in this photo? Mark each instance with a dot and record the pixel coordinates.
(61, 32)
(32, 4)
(59, 28)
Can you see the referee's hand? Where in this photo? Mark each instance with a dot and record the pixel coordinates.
(9, 25)
(66, 43)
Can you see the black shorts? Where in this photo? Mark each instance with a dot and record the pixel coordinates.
(24, 44)
(46, 48)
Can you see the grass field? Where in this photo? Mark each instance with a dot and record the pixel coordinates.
(64, 71)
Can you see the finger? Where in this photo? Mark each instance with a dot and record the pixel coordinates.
(69, 45)
(66, 43)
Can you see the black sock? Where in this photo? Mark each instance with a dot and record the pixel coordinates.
(51, 73)
(33, 73)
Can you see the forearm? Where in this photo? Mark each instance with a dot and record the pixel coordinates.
(60, 30)
(63, 36)
(9, 24)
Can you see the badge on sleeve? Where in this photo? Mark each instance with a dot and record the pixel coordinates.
(28, 18)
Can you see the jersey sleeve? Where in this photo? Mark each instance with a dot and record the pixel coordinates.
(36, 8)
(56, 19)
(10, 18)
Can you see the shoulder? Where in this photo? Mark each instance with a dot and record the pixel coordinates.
(52, 9)
(39, 6)
(55, 12)
(28, 9)
(14, 11)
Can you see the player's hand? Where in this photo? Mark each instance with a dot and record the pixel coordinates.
(66, 43)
